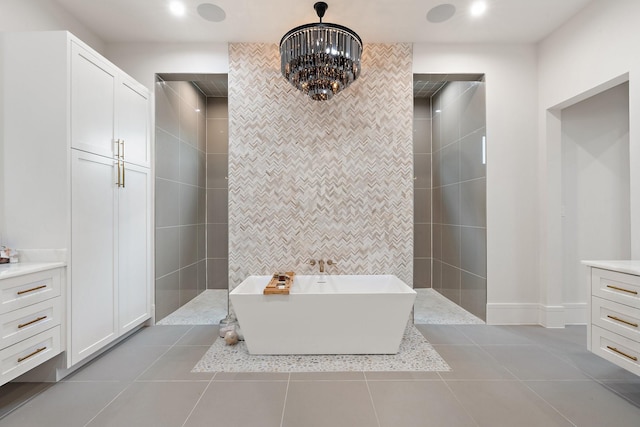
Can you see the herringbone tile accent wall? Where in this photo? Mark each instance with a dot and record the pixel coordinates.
(330, 180)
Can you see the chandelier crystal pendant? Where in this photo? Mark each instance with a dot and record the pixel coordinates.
(320, 59)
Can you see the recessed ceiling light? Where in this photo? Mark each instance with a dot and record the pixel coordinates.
(478, 8)
(211, 12)
(441, 13)
(177, 8)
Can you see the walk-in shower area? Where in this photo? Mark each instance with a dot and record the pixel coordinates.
(191, 136)
(450, 158)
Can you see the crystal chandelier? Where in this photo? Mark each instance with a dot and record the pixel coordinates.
(320, 59)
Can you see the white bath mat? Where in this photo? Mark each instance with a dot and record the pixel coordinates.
(415, 354)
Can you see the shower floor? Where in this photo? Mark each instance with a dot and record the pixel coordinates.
(432, 308)
(208, 308)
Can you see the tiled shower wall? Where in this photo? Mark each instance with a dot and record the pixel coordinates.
(180, 195)
(320, 180)
(459, 195)
(422, 192)
(217, 193)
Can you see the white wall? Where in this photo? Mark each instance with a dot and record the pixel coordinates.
(595, 185)
(594, 51)
(44, 15)
(143, 60)
(511, 92)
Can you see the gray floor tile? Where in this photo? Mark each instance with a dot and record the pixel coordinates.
(157, 335)
(121, 363)
(417, 403)
(492, 335)
(630, 390)
(327, 376)
(505, 403)
(596, 366)
(328, 403)
(443, 334)
(569, 337)
(156, 404)
(399, 375)
(531, 362)
(13, 395)
(587, 403)
(470, 363)
(64, 405)
(240, 404)
(200, 335)
(176, 364)
(251, 376)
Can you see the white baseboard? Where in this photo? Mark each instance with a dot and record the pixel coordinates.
(536, 314)
(576, 313)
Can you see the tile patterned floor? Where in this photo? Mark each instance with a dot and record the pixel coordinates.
(500, 376)
(208, 308)
(432, 308)
(415, 354)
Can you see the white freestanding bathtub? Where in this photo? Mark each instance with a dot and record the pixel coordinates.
(324, 314)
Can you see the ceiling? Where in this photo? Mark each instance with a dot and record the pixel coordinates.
(376, 21)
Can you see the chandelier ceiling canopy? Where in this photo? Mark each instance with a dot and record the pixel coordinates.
(320, 59)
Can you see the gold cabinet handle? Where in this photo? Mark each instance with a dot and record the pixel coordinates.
(123, 171)
(32, 289)
(118, 181)
(117, 141)
(622, 290)
(32, 322)
(635, 325)
(122, 142)
(21, 359)
(635, 359)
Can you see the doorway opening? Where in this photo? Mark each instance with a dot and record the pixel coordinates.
(450, 250)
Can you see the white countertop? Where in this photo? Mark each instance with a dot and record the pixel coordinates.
(20, 268)
(621, 266)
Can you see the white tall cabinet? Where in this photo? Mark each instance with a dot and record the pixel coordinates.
(77, 146)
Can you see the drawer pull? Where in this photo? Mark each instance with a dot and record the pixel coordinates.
(21, 359)
(635, 325)
(635, 359)
(32, 322)
(622, 289)
(32, 289)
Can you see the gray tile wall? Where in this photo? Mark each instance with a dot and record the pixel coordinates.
(318, 180)
(180, 195)
(217, 193)
(422, 192)
(459, 196)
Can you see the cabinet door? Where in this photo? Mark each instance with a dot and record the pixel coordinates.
(134, 253)
(93, 244)
(133, 121)
(93, 82)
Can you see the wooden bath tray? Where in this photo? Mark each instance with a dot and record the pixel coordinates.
(274, 289)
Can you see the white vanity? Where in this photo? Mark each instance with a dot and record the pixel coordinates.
(31, 313)
(613, 327)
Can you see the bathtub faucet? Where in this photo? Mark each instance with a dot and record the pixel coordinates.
(312, 262)
(321, 263)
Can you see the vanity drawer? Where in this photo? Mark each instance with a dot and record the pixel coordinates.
(616, 317)
(21, 291)
(616, 349)
(27, 354)
(26, 322)
(618, 287)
